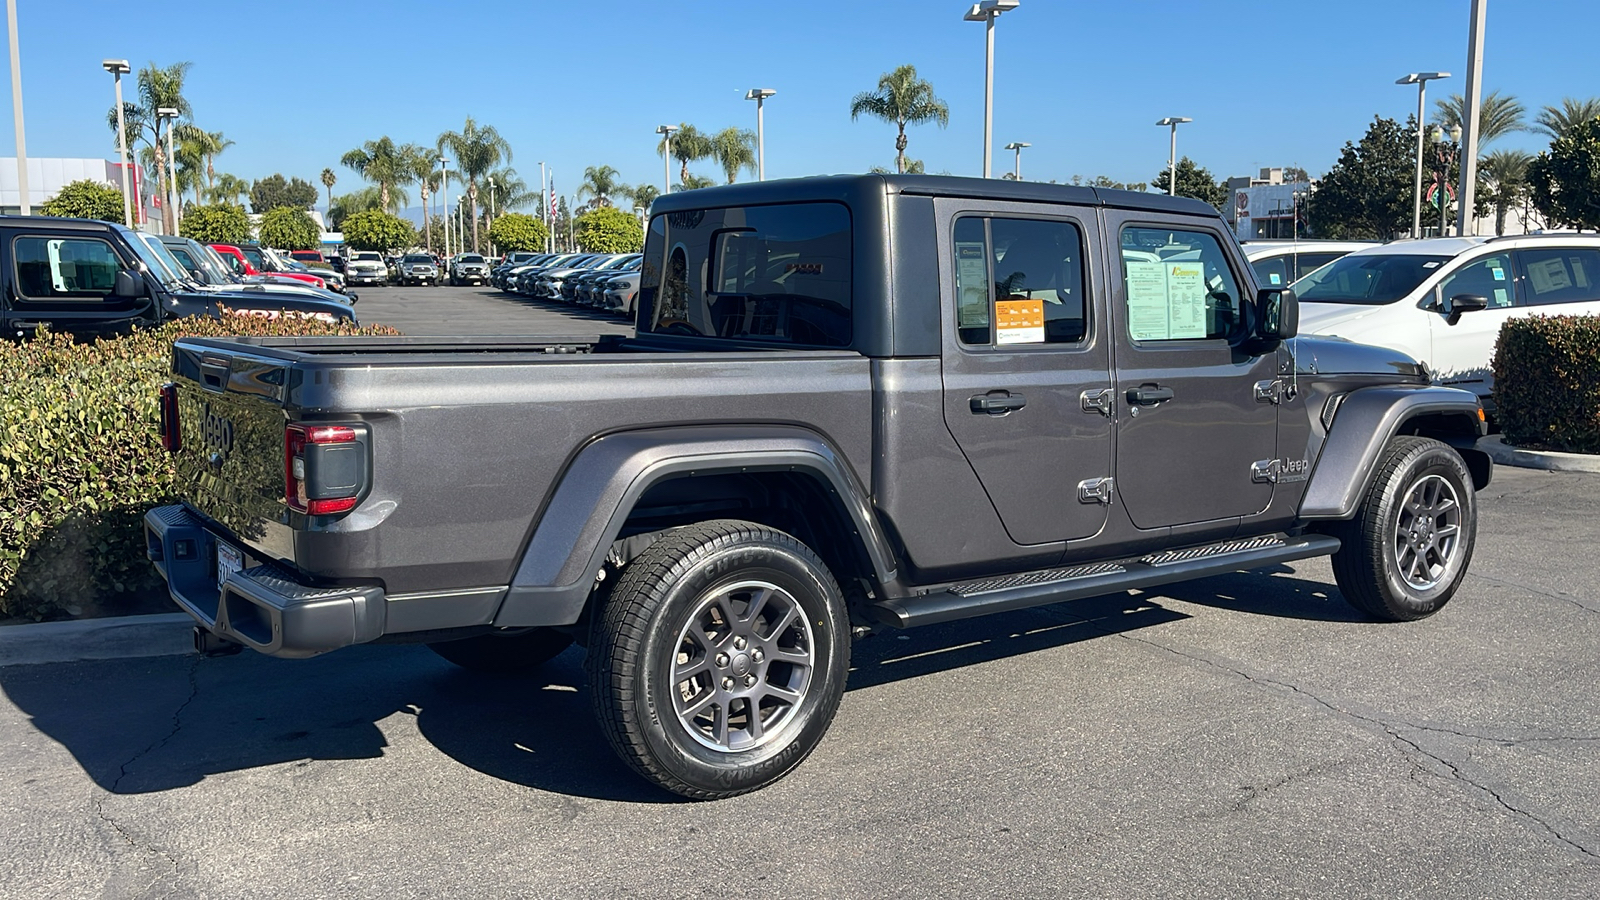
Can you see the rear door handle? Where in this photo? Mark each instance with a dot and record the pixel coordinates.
(997, 403)
(1149, 395)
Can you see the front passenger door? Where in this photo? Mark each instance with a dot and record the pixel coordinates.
(66, 281)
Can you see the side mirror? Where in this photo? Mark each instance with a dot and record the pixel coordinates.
(1463, 303)
(127, 284)
(1280, 314)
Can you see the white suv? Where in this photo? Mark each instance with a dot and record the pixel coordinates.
(1277, 263)
(1443, 300)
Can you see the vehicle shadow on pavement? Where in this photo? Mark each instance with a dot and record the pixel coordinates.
(572, 310)
(1281, 596)
(161, 723)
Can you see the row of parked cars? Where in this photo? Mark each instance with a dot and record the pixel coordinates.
(605, 281)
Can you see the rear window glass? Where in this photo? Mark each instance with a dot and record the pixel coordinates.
(777, 274)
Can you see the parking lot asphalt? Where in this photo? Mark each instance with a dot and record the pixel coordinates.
(477, 310)
(1242, 736)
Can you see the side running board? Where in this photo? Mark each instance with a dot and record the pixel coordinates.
(979, 598)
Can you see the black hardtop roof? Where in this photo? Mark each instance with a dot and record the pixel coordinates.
(847, 187)
(56, 222)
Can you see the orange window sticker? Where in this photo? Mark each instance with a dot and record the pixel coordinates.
(1019, 321)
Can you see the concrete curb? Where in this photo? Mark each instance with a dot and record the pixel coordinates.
(1549, 460)
(111, 638)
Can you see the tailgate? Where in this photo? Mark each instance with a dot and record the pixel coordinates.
(231, 418)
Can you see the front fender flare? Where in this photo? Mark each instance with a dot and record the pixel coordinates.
(1365, 422)
(604, 481)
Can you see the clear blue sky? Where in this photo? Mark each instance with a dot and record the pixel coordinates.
(296, 84)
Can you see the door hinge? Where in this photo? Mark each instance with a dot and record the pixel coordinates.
(1274, 391)
(1102, 401)
(1095, 490)
(1265, 470)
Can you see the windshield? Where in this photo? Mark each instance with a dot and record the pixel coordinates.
(471, 258)
(1368, 279)
(419, 258)
(212, 262)
(172, 270)
(366, 257)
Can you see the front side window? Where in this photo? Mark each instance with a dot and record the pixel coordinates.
(1489, 277)
(1178, 286)
(1019, 281)
(50, 268)
(778, 274)
(1560, 275)
(256, 259)
(1368, 279)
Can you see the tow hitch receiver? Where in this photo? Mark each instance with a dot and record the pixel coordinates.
(210, 645)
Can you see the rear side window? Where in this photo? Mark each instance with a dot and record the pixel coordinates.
(1019, 281)
(50, 268)
(1560, 275)
(778, 274)
(1178, 286)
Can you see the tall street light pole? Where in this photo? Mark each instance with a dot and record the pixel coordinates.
(119, 68)
(16, 108)
(666, 155)
(986, 11)
(1420, 79)
(170, 116)
(444, 192)
(759, 95)
(1016, 165)
(544, 206)
(1466, 222)
(1172, 152)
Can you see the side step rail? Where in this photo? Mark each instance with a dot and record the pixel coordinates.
(979, 598)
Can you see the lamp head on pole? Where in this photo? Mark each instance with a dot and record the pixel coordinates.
(1174, 120)
(984, 10)
(666, 130)
(116, 66)
(1018, 145)
(759, 93)
(166, 112)
(1421, 77)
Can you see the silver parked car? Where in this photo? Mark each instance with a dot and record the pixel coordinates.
(418, 268)
(469, 268)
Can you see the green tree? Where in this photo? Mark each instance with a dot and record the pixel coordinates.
(1193, 181)
(218, 223)
(228, 189)
(904, 99)
(1565, 180)
(606, 229)
(347, 205)
(1497, 116)
(86, 200)
(517, 231)
(600, 182)
(734, 149)
(693, 182)
(387, 165)
(1554, 122)
(1368, 192)
(689, 144)
(641, 195)
(288, 228)
(196, 153)
(274, 192)
(1503, 177)
(158, 88)
(478, 149)
(328, 181)
(378, 230)
(912, 167)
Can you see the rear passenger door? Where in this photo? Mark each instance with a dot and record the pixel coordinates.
(1026, 369)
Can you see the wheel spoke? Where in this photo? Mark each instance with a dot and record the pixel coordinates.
(696, 706)
(782, 693)
(719, 725)
(757, 604)
(753, 724)
(686, 671)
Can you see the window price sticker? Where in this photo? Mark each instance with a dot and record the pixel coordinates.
(1019, 321)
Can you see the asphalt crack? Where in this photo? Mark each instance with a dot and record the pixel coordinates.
(1535, 591)
(1409, 747)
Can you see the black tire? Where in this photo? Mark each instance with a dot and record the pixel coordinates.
(502, 653)
(1410, 542)
(768, 624)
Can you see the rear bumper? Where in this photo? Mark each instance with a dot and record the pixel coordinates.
(261, 607)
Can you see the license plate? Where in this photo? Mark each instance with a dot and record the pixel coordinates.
(229, 560)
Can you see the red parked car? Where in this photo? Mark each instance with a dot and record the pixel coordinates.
(249, 260)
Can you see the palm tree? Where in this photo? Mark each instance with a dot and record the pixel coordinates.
(158, 88)
(477, 149)
(346, 205)
(688, 145)
(328, 180)
(1506, 172)
(215, 143)
(228, 189)
(913, 167)
(422, 165)
(693, 182)
(509, 190)
(734, 149)
(1557, 122)
(600, 182)
(904, 99)
(385, 164)
(1497, 116)
(643, 195)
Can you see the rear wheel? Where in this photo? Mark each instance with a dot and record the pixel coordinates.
(509, 652)
(719, 658)
(1406, 550)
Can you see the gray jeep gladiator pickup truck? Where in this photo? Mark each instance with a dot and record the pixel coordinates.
(851, 404)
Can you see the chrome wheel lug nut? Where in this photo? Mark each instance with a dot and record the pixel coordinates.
(749, 681)
(727, 683)
(722, 660)
(757, 655)
(739, 643)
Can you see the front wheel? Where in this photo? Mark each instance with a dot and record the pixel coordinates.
(1406, 550)
(719, 659)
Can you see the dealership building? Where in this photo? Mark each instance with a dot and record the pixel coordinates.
(46, 178)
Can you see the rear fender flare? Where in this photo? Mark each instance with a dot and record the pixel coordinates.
(605, 480)
(1365, 422)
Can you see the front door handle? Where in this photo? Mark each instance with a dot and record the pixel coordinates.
(1149, 395)
(997, 403)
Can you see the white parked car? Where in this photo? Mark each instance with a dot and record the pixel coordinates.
(1277, 263)
(1443, 300)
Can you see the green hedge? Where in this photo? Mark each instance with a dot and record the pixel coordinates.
(1547, 382)
(81, 462)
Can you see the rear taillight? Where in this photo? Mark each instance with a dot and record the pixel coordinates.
(324, 468)
(171, 437)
